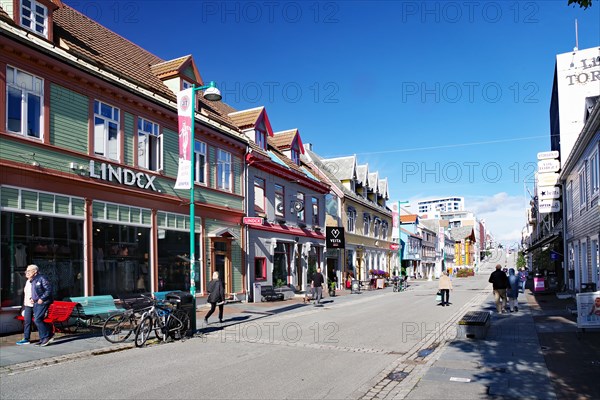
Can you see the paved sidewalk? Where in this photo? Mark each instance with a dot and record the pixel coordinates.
(74, 346)
(534, 353)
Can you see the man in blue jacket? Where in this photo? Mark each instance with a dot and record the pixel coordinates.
(41, 294)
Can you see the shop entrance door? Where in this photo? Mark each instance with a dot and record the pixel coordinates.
(221, 262)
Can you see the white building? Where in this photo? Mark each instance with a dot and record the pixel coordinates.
(575, 90)
(440, 205)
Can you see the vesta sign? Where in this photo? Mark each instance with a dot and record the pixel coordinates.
(334, 237)
(123, 176)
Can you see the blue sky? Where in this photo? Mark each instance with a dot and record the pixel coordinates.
(444, 98)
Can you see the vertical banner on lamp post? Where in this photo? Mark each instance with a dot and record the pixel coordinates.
(185, 109)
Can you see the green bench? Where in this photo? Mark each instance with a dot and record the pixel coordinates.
(94, 309)
(473, 325)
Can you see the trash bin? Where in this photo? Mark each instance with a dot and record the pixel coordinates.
(186, 302)
(355, 286)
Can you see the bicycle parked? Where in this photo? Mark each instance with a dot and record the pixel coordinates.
(119, 327)
(164, 320)
(399, 284)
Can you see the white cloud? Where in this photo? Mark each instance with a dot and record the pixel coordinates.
(504, 215)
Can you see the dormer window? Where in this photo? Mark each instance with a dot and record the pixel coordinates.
(34, 16)
(295, 156)
(261, 139)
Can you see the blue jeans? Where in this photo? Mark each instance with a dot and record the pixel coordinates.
(39, 313)
(523, 286)
(27, 315)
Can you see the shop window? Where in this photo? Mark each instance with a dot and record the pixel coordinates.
(34, 17)
(106, 130)
(121, 259)
(24, 103)
(150, 151)
(54, 244)
(260, 268)
(281, 264)
(174, 262)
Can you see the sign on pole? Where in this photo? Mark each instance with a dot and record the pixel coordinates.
(547, 179)
(549, 206)
(548, 166)
(545, 155)
(548, 192)
(334, 237)
(185, 110)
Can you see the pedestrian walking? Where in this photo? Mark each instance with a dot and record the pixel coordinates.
(317, 284)
(216, 296)
(523, 275)
(499, 281)
(513, 290)
(445, 286)
(41, 295)
(27, 310)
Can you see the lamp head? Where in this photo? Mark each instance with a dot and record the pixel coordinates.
(212, 93)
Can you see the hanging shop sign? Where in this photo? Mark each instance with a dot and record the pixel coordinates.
(122, 175)
(334, 237)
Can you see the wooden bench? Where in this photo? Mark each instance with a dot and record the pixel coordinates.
(268, 293)
(59, 313)
(95, 309)
(473, 325)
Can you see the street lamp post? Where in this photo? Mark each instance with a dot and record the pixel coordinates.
(211, 93)
(400, 237)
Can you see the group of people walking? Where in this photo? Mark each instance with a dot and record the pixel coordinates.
(506, 288)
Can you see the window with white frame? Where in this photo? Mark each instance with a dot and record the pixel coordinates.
(106, 130)
(300, 214)
(186, 85)
(384, 230)
(315, 211)
(24, 103)
(224, 170)
(259, 194)
(366, 224)
(279, 200)
(351, 224)
(595, 258)
(34, 16)
(595, 173)
(200, 161)
(583, 187)
(376, 223)
(150, 151)
(569, 200)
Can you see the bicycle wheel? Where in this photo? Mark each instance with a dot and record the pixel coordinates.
(142, 333)
(118, 327)
(179, 324)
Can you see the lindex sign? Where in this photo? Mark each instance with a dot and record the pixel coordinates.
(334, 237)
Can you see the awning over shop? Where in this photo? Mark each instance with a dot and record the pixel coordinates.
(547, 240)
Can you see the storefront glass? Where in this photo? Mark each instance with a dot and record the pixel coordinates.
(121, 259)
(174, 260)
(281, 264)
(54, 244)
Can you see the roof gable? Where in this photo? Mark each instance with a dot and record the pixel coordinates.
(182, 66)
(251, 118)
(362, 174)
(285, 140)
(343, 168)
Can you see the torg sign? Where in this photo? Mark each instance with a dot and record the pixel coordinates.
(334, 237)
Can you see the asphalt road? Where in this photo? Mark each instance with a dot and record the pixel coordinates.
(333, 351)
